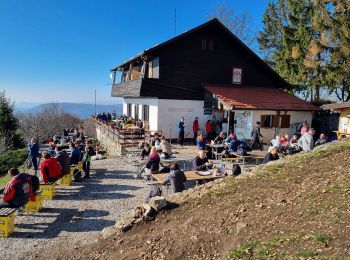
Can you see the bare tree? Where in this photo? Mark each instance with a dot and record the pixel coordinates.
(239, 24)
(46, 123)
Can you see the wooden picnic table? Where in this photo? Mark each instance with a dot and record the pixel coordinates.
(190, 176)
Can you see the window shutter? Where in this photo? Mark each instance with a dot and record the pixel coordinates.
(285, 121)
(275, 121)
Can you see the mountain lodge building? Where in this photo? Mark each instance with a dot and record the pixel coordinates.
(203, 72)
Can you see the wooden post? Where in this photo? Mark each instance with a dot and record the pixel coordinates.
(129, 74)
(228, 122)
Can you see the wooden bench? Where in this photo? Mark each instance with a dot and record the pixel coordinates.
(48, 191)
(7, 221)
(37, 205)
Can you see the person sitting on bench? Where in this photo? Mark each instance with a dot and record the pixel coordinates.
(271, 155)
(145, 151)
(153, 161)
(63, 159)
(201, 162)
(50, 169)
(18, 191)
(175, 178)
(165, 147)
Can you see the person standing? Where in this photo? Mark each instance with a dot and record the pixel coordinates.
(182, 126)
(256, 134)
(195, 128)
(304, 128)
(89, 152)
(209, 130)
(33, 149)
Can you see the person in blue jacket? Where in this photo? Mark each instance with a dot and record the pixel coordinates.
(182, 125)
(75, 154)
(33, 152)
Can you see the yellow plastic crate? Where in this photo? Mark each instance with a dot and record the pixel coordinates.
(34, 206)
(66, 180)
(80, 166)
(47, 191)
(7, 225)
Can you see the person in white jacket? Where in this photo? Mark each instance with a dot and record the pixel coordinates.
(307, 140)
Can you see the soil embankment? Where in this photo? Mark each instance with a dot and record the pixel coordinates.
(298, 207)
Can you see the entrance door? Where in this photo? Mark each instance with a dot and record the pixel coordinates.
(231, 120)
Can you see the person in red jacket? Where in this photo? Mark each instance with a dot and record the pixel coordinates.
(209, 129)
(18, 191)
(195, 128)
(50, 169)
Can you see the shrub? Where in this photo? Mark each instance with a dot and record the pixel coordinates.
(12, 159)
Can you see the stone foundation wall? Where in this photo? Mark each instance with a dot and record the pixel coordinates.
(106, 141)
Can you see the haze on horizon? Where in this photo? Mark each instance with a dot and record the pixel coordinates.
(61, 51)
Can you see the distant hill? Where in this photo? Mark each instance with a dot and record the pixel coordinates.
(81, 110)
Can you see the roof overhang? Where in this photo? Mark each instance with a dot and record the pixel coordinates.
(258, 98)
(336, 106)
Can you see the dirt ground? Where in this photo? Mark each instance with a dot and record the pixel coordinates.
(298, 207)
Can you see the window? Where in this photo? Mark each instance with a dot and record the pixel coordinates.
(153, 68)
(204, 44)
(128, 109)
(136, 116)
(280, 121)
(211, 45)
(145, 113)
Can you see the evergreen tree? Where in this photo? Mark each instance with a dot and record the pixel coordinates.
(9, 138)
(299, 43)
(339, 68)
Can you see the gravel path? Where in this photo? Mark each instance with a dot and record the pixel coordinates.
(78, 213)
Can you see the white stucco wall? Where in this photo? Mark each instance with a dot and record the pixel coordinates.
(295, 117)
(164, 114)
(170, 111)
(153, 109)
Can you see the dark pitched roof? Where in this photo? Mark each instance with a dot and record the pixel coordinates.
(258, 98)
(210, 22)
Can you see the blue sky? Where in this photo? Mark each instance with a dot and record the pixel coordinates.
(61, 50)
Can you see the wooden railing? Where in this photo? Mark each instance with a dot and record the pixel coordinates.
(126, 136)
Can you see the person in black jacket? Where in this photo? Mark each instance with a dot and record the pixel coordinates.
(255, 143)
(201, 162)
(176, 178)
(271, 155)
(63, 159)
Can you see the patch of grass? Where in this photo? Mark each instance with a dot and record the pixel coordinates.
(321, 238)
(3, 180)
(306, 254)
(245, 251)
